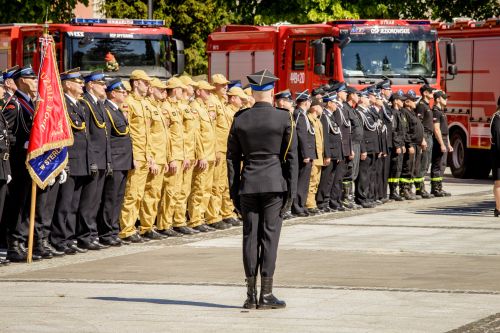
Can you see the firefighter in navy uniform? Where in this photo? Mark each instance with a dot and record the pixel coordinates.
(100, 158)
(306, 151)
(70, 205)
(262, 138)
(5, 172)
(390, 121)
(424, 113)
(414, 136)
(121, 158)
(332, 134)
(441, 145)
(397, 153)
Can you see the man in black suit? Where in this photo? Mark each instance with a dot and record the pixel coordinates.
(306, 146)
(100, 158)
(121, 159)
(262, 137)
(70, 205)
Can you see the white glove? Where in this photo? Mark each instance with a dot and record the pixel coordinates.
(9, 178)
(52, 181)
(63, 177)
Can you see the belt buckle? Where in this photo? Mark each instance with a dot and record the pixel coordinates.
(6, 156)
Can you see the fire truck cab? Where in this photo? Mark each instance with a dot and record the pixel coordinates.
(360, 52)
(91, 43)
(473, 93)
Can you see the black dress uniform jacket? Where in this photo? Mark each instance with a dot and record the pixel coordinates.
(356, 124)
(260, 137)
(415, 130)
(331, 133)
(78, 153)
(305, 135)
(120, 142)
(4, 149)
(342, 119)
(371, 141)
(398, 129)
(98, 126)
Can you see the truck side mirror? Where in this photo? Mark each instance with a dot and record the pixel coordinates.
(451, 54)
(344, 42)
(180, 57)
(452, 69)
(319, 52)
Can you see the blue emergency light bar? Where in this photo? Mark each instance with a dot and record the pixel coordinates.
(139, 22)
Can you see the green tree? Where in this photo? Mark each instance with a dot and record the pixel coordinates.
(191, 21)
(29, 11)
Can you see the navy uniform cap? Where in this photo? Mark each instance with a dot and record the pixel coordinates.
(262, 80)
(7, 74)
(364, 92)
(351, 90)
(95, 76)
(285, 94)
(330, 96)
(316, 102)
(26, 72)
(115, 84)
(411, 95)
(399, 95)
(317, 91)
(440, 93)
(385, 85)
(234, 83)
(72, 74)
(372, 90)
(339, 87)
(302, 95)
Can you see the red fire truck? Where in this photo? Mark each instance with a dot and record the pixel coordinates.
(90, 43)
(473, 92)
(360, 52)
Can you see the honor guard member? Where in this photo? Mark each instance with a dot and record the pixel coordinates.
(220, 206)
(121, 160)
(424, 113)
(342, 119)
(306, 144)
(370, 148)
(2, 92)
(176, 159)
(139, 118)
(322, 153)
(5, 173)
(100, 157)
(262, 138)
(441, 145)
(9, 84)
(159, 152)
(376, 107)
(356, 136)
(389, 121)
(413, 140)
(18, 114)
(190, 122)
(284, 100)
(71, 208)
(495, 157)
(205, 155)
(398, 149)
(332, 134)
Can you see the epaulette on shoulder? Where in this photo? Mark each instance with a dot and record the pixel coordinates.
(10, 106)
(239, 113)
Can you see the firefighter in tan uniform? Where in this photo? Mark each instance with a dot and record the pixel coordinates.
(220, 206)
(172, 184)
(250, 100)
(205, 155)
(190, 120)
(139, 124)
(159, 151)
(314, 114)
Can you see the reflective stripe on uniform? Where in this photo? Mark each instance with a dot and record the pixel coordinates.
(393, 180)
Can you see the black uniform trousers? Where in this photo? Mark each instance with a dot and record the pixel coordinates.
(261, 232)
(112, 199)
(425, 157)
(438, 160)
(3, 197)
(379, 177)
(386, 172)
(325, 184)
(47, 209)
(299, 203)
(365, 184)
(396, 161)
(336, 191)
(411, 164)
(85, 210)
(95, 191)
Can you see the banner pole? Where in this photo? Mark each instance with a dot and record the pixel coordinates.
(32, 222)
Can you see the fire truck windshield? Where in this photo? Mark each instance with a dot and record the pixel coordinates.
(119, 56)
(389, 58)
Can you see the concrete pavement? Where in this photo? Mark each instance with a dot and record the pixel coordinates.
(423, 266)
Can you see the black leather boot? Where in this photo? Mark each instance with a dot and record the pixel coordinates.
(405, 191)
(40, 250)
(393, 193)
(15, 252)
(48, 247)
(267, 300)
(251, 301)
(346, 188)
(435, 189)
(446, 194)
